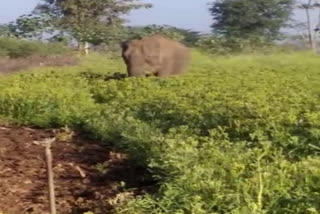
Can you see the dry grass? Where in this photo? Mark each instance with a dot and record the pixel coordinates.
(8, 65)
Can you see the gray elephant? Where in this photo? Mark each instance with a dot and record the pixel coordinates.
(155, 55)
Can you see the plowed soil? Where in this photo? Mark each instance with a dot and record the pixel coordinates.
(88, 176)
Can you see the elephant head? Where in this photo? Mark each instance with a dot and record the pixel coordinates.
(154, 55)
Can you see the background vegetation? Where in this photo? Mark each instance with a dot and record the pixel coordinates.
(15, 48)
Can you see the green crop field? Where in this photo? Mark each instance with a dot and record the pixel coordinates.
(234, 135)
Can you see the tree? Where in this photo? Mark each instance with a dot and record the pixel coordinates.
(88, 21)
(307, 6)
(250, 18)
(28, 26)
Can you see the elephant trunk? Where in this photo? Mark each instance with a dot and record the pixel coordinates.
(135, 69)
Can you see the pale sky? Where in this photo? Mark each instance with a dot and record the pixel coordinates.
(189, 14)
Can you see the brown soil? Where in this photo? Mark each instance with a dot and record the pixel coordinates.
(88, 176)
(8, 65)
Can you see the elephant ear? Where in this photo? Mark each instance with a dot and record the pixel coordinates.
(124, 45)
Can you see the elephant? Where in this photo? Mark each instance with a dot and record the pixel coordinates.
(155, 55)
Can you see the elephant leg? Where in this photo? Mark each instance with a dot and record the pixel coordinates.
(166, 69)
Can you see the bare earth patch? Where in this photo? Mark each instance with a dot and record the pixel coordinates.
(88, 176)
(8, 65)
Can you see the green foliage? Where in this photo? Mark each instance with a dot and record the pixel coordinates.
(61, 38)
(29, 26)
(234, 135)
(5, 31)
(49, 101)
(223, 45)
(90, 21)
(250, 18)
(232, 45)
(16, 48)
(183, 35)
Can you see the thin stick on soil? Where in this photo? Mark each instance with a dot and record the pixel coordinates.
(48, 154)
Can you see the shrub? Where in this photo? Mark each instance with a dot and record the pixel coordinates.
(222, 45)
(16, 48)
(234, 135)
(49, 101)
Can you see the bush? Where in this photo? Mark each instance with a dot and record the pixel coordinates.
(49, 101)
(223, 45)
(16, 48)
(185, 36)
(234, 135)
